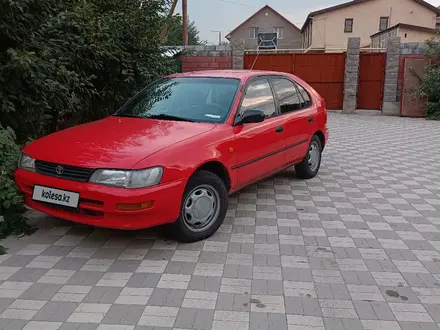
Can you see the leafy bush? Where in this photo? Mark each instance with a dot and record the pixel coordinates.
(433, 110)
(11, 200)
(430, 82)
(63, 63)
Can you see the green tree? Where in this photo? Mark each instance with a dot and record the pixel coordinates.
(175, 32)
(430, 82)
(63, 63)
(67, 62)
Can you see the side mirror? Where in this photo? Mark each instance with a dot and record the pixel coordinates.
(251, 116)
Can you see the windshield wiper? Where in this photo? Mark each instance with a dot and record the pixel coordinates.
(170, 117)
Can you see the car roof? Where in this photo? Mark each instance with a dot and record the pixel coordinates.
(237, 74)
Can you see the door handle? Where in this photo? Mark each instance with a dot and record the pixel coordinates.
(279, 129)
(310, 119)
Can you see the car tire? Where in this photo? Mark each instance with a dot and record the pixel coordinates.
(309, 167)
(203, 208)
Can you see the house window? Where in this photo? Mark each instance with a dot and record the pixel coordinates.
(383, 41)
(279, 31)
(253, 33)
(348, 27)
(375, 43)
(383, 24)
(309, 33)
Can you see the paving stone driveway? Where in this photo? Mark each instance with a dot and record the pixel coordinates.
(355, 248)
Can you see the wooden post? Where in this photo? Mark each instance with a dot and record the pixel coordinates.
(185, 22)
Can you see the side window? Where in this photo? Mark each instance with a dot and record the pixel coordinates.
(305, 96)
(287, 95)
(259, 97)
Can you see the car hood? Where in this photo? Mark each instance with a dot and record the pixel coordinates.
(114, 142)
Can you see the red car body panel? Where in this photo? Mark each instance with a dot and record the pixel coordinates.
(248, 153)
(121, 142)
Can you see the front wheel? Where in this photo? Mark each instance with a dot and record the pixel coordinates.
(203, 209)
(309, 167)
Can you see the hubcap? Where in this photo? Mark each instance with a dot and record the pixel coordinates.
(314, 156)
(201, 208)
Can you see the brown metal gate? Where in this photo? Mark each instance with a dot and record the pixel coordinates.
(410, 105)
(371, 80)
(272, 62)
(324, 72)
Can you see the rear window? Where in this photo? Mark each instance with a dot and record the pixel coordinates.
(306, 97)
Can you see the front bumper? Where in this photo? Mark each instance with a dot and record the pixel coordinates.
(98, 204)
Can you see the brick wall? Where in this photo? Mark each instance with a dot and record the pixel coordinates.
(197, 58)
(197, 63)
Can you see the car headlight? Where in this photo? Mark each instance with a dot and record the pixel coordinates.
(26, 162)
(128, 179)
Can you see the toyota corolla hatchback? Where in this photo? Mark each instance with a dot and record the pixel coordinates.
(173, 153)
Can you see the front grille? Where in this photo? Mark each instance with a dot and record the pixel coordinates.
(73, 173)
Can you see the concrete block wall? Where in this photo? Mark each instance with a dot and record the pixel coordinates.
(391, 106)
(413, 48)
(351, 77)
(197, 58)
(208, 50)
(238, 54)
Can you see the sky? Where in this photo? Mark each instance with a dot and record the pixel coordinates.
(225, 15)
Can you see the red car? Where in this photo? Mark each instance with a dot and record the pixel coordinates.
(173, 153)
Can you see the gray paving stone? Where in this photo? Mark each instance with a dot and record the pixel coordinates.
(56, 311)
(123, 315)
(103, 295)
(189, 318)
(167, 297)
(357, 247)
(302, 306)
(233, 302)
(79, 326)
(267, 321)
(41, 291)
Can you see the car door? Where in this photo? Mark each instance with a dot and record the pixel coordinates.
(297, 114)
(258, 146)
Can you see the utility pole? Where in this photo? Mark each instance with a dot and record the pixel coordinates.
(185, 22)
(219, 36)
(170, 15)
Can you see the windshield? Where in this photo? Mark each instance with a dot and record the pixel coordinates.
(207, 100)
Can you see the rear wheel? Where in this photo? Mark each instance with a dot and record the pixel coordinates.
(203, 208)
(309, 167)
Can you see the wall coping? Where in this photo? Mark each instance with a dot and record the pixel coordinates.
(203, 50)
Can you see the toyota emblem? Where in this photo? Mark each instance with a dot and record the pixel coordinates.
(59, 170)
